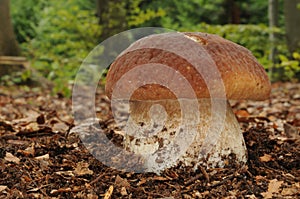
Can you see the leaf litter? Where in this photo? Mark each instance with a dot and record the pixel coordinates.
(40, 158)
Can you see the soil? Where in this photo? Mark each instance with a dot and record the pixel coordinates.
(40, 157)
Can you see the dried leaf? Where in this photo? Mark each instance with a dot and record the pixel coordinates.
(31, 117)
(291, 131)
(123, 191)
(29, 151)
(11, 158)
(32, 127)
(121, 182)
(92, 196)
(273, 187)
(289, 191)
(266, 158)
(6, 125)
(259, 177)
(60, 127)
(2, 188)
(82, 168)
(242, 113)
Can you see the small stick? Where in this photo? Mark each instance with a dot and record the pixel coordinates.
(96, 179)
(205, 174)
(193, 179)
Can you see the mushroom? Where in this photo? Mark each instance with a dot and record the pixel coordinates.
(175, 88)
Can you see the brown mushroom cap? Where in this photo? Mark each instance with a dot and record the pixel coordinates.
(243, 77)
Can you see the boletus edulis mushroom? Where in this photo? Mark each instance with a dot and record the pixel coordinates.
(177, 87)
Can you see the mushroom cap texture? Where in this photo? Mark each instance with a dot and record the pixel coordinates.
(209, 63)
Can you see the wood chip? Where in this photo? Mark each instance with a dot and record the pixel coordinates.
(108, 193)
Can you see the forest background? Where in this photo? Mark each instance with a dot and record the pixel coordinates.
(56, 36)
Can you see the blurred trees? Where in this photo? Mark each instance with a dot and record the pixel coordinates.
(273, 23)
(58, 35)
(116, 16)
(292, 24)
(188, 13)
(112, 16)
(8, 42)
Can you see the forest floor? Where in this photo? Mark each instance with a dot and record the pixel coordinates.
(40, 158)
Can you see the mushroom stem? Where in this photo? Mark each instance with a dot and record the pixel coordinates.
(153, 125)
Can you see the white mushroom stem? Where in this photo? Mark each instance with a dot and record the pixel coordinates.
(153, 125)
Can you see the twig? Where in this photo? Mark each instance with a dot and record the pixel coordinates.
(193, 179)
(98, 178)
(205, 174)
(224, 180)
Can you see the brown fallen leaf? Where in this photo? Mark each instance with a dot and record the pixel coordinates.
(11, 158)
(289, 191)
(266, 158)
(32, 127)
(6, 126)
(273, 187)
(242, 113)
(92, 196)
(121, 182)
(29, 151)
(2, 188)
(123, 191)
(31, 116)
(259, 177)
(82, 168)
(60, 127)
(291, 131)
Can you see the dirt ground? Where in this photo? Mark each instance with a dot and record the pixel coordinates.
(40, 158)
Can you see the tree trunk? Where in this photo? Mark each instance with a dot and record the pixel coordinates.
(292, 19)
(233, 13)
(273, 22)
(8, 42)
(112, 16)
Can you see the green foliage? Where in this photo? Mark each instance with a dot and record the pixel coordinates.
(180, 13)
(15, 78)
(65, 34)
(25, 17)
(120, 15)
(112, 17)
(287, 69)
(138, 16)
(57, 35)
